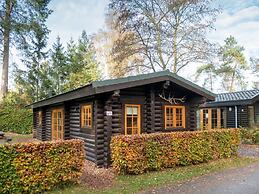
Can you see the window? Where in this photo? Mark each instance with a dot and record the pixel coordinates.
(214, 119)
(57, 124)
(132, 119)
(40, 119)
(86, 116)
(174, 117)
(211, 118)
(205, 118)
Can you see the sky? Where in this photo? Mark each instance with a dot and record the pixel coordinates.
(70, 18)
(239, 18)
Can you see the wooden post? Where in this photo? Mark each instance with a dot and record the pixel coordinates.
(201, 119)
(107, 131)
(218, 118)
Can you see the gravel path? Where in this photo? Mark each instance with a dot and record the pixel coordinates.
(244, 180)
(249, 150)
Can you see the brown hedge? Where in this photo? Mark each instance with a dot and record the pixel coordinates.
(140, 153)
(37, 167)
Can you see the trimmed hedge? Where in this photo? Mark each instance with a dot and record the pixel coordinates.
(16, 120)
(140, 153)
(14, 117)
(37, 167)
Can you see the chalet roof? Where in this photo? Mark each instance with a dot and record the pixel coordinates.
(235, 98)
(98, 87)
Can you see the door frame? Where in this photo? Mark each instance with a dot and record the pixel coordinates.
(60, 109)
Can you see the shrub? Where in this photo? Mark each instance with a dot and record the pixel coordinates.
(256, 137)
(140, 153)
(14, 117)
(37, 167)
(250, 135)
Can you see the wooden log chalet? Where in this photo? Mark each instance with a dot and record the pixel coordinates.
(148, 103)
(235, 109)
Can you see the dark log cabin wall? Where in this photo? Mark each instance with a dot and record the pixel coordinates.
(152, 114)
(97, 140)
(39, 132)
(74, 130)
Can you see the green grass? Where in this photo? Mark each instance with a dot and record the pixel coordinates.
(135, 183)
(18, 138)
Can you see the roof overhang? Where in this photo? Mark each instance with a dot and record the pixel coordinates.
(229, 103)
(99, 88)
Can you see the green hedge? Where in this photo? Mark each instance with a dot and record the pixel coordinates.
(16, 120)
(140, 153)
(37, 167)
(14, 117)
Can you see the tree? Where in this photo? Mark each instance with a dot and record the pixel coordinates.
(17, 18)
(168, 34)
(32, 79)
(116, 64)
(59, 66)
(82, 64)
(233, 64)
(255, 71)
(209, 73)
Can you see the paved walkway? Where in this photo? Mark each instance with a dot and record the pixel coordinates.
(243, 180)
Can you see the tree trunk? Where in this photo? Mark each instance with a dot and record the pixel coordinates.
(6, 43)
(231, 89)
(175, 52)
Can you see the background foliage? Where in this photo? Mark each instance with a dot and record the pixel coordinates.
(250, 135)
(37, 167)
(140, 153)
(14, 117)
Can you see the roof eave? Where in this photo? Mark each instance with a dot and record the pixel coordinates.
(228, 103)
(74, 94)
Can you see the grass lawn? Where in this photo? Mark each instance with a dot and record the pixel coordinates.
(18, 138)
(135, 183)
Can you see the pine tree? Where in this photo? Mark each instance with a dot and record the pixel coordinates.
(17, 18)
(83, 67)
(32, 79)
(232, 65)
(59, 67)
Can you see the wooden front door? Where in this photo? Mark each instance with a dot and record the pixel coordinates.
(57, 127)
(132, 119)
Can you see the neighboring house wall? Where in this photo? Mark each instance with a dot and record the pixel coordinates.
(230, 117)
(257, 113)
(243, 115)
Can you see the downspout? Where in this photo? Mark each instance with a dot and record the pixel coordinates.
(235, 116)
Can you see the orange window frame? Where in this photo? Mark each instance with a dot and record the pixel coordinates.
(132, 117)
(57, 127)
(86, 116)
(174, 117)
(212, 120)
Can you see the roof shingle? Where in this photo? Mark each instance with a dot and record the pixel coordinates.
(234, 98)
(241, 95)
